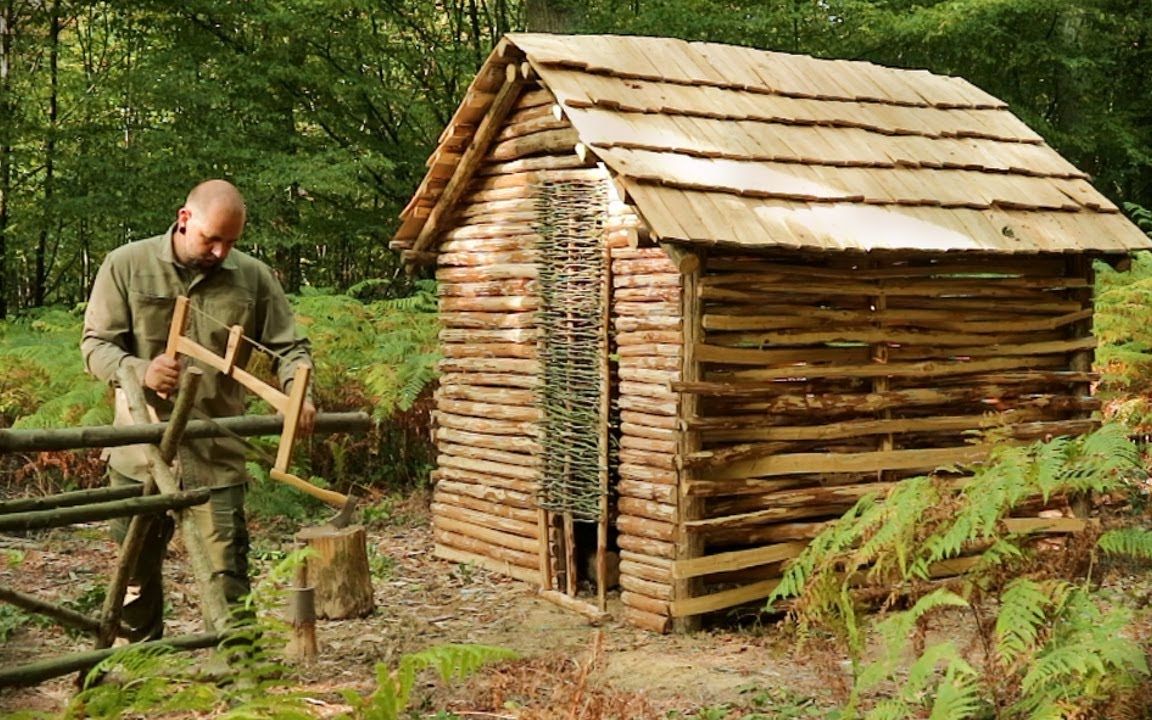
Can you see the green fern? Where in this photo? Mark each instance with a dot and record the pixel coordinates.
(1054, 653)
(1129, 542)
(393, 693)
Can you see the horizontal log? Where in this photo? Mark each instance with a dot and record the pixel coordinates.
(724, 599)
(496, 497)
(500, 335)
(35, 440)
(646, 571)
(861, 428)
(594, 614)
(498, 396)
(647, 620)
(660, 608)
(550, 141)
(642, 527)
(660, 591)
(647, 432)
(481, 453)
(67, 617)
(489, 365)
(649, 406)
(508, 304)
(649, 337)
(37, 672)
(787, 318)
(490, 288)
(493, 411)
(928, 264)
(523, 546)
(505, 510)
(647, 309)
(494, 266)
(648, 474)
(645, 324)
(486, 480)
(523, 351)
(497, 380)
(659, 422)
(736, 560)
(641, 490)
(954, 341)
(514, 129)
(483, 440)
(650, 509)
(651, 459)
(669, 350)
(61, 516)
(479, 518)
(647, 546)
(487, 319)
(498, 565)
(516, 472)
(70, 499)
(485, 426)
(497, 244)
(528, 164)
(521, 229)
(643, 444)
(928, 459)
(930, 369)
(777, 533)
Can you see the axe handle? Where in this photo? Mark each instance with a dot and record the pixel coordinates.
(331, 497)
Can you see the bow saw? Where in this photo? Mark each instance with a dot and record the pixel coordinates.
(289, 405)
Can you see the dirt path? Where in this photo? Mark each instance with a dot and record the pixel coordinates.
(421, 602)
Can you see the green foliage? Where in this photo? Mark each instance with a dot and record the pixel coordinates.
(1053, 648)
(393, 694)
(42, 378)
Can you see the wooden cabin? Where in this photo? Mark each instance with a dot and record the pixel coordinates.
(698, 299)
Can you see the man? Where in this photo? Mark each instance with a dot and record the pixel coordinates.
(126, 325)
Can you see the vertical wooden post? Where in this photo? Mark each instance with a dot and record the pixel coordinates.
(1080, 266)
(605, 428)
(688, 544)
(176, 329)
(879, 353)
(543, 527)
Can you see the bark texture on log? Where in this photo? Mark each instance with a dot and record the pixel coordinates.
(338, 570)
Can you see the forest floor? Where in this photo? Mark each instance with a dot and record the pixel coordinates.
(612, 671)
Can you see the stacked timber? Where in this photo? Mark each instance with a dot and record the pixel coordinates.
(826, 377)
(646, 315)
(487, 416)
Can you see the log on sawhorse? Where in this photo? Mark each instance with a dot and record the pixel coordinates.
(42, 670)
(104, 436)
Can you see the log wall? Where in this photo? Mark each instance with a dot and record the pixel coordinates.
(646, 319)
(487, 431)
(823, 378)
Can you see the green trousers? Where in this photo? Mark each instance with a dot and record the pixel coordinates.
(223, 526)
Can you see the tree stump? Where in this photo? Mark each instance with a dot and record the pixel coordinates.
(338, 570)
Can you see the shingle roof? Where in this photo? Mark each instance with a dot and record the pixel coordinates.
(731, 145)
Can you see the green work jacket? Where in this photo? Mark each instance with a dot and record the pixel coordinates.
(126, 325)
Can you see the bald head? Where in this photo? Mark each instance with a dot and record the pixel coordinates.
(217, 195)
(209, 224)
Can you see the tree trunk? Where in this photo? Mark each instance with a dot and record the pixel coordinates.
(40, 278)
(7, 17)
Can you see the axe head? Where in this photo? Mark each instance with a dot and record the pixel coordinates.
(342, 518)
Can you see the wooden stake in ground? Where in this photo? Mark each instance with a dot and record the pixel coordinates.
(338, 570)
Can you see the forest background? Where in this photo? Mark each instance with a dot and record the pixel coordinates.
(324, 111)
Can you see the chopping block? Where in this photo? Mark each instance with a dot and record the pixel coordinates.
(338, 570)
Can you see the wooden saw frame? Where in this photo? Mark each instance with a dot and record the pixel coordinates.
(289, 405)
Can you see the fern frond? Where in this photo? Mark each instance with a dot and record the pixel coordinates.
(957, 695)
(1022, 611)
(1130, 542)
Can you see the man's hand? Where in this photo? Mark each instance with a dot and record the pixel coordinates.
(163, 374)
(307, 418)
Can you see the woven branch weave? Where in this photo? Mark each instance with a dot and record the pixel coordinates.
(574, 336)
